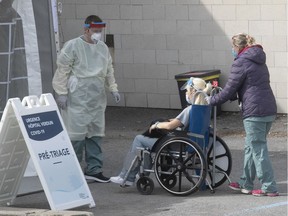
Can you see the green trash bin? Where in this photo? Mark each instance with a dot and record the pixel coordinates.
(207, 75)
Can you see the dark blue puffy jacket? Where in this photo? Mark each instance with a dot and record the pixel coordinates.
(249, 78)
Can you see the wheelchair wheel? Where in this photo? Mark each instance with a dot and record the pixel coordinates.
(145, 185)
(223, 161)
(180, 166)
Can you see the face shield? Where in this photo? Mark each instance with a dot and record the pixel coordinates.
(197, 83)
(99, 31)
(193, 85)
(189, 83)
(197, 90)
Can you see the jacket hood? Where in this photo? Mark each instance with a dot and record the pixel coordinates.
(255, 54)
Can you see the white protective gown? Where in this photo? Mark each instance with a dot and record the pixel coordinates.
(83, 72)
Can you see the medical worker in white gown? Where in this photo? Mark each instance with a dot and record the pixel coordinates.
(84, 71)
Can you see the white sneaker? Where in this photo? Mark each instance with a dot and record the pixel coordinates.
(119, 180)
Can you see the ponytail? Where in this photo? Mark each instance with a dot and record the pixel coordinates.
(250, 40)
(243, 40)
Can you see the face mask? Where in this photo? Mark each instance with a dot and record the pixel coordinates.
(96, 37)
(187, 99)
(234, 53)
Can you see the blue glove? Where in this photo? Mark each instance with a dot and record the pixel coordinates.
(62, 101)
(116, 96)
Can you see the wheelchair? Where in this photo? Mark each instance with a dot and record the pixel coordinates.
(186, 161)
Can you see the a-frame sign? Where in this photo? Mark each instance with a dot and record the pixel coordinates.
(34, 128)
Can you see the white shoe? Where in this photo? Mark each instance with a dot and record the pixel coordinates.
(119, 180)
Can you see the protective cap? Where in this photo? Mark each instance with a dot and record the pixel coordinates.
(95, 25)
(197, 83)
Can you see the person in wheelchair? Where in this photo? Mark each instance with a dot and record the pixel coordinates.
(149, 138)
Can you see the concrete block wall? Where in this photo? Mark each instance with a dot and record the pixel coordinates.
(156, 39)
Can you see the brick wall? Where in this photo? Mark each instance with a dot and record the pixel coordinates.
(156, 39)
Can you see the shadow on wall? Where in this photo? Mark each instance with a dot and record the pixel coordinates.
(170, 40)
(157, 40)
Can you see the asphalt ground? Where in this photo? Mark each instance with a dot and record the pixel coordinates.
(122, 124)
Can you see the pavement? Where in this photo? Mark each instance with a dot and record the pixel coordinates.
(122, 124)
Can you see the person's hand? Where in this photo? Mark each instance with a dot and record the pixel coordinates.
(208, 99)
(62, 101)
(153, 127)
(116, 96)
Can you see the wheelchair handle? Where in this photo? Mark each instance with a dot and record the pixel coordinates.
(215, 90)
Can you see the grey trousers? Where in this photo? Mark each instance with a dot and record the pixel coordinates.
(139, 141)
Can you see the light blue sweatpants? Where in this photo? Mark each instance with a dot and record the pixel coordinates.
(256, 157)
(139, 141)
